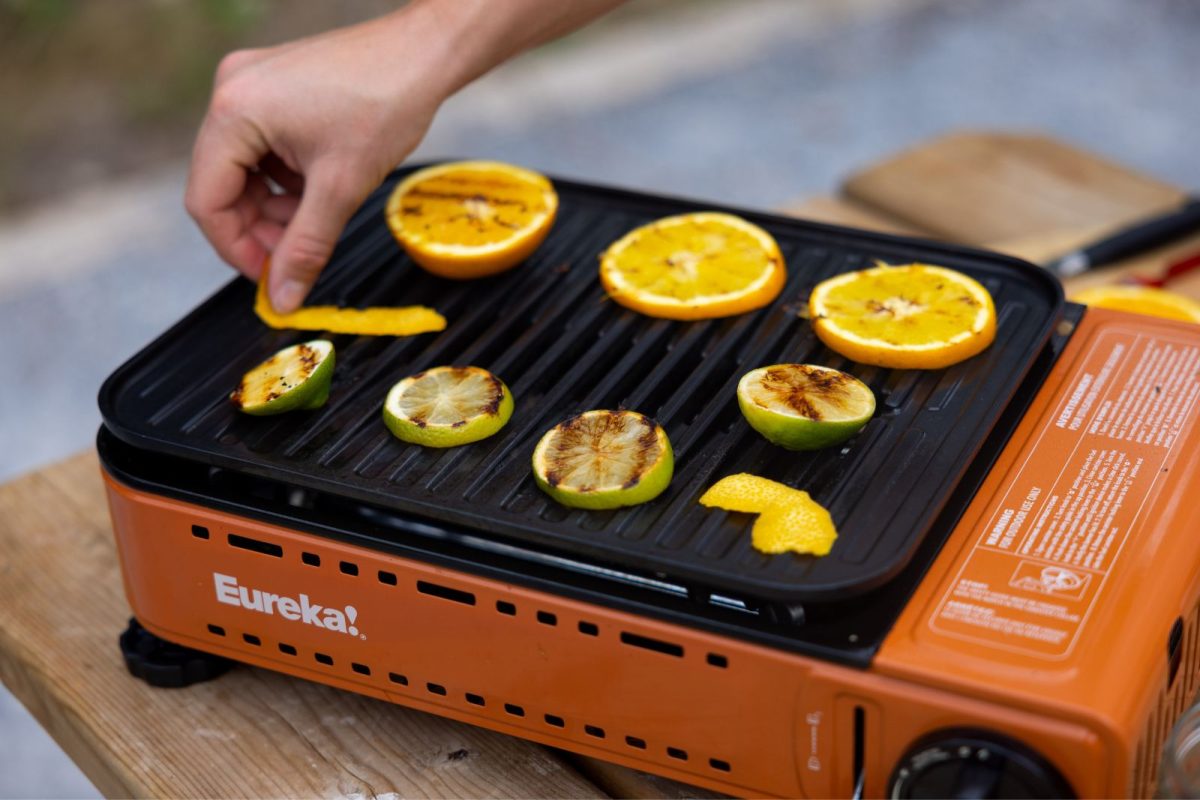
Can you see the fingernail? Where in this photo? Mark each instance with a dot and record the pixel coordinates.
(288, 296)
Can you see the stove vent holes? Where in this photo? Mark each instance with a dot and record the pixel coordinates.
(479, 701)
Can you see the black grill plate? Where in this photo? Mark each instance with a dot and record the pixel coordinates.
(548, 331)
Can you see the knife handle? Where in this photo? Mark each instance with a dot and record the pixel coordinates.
(1146, 235)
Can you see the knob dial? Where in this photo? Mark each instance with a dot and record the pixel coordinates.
(971, 763)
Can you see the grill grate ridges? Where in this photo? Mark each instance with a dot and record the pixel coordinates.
(547, 329)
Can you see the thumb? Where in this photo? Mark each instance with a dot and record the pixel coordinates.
(331, 194)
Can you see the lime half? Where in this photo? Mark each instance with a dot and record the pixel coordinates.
(804, 407)
(447, 406)
(604, 459)
(295, 377)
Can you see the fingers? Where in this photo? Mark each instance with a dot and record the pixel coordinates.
(216, 195)
(332, 192)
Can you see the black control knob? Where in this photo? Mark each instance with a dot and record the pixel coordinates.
(971, 763)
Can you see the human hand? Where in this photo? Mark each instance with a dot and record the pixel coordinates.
(325, 119)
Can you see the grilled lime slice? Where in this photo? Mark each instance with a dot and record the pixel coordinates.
(604, 459)
(295, 377)
(447, 406)
(803, 406)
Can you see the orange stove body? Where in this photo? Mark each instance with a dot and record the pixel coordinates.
(1045, 617)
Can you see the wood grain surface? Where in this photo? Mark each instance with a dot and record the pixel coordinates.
(981, 187)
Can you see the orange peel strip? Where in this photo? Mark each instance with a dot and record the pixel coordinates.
(391, 321)
(789, 520)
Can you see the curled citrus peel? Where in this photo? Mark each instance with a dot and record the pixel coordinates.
(392, 321)
(788, 519)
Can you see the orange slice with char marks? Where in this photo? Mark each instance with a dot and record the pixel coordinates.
(468, 219)
(915, 316)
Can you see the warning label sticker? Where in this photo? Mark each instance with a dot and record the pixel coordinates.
(1057, 527)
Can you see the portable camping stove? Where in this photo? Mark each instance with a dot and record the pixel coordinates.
(1010, 609)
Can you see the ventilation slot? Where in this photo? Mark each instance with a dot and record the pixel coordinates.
(634, 741)
(396, 677)
(287, 649)
(592, 730)
(323, 659)
(589, 629)
(446, 593)
(361, 669)
(860, 767)
(255, 545)
(515, 710)
(312, 559)
(387, 577)
(718, 660)
(475, 699)
(250, 638)
(1183, 673)
(657, 645)
(200, 532)
(348, 567)
(556, 721)
(505, 607)
(675, 752)
(436, 688)
(216, 630)
(546, 618)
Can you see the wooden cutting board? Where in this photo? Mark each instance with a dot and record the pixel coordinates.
(1024, 194)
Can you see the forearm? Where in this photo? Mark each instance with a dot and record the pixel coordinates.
(475, 36)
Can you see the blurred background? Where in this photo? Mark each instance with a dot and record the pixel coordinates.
(745, 102)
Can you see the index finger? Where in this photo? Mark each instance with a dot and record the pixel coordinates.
(222, 158)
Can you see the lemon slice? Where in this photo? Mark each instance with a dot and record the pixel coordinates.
(447, 406)
(1141, 300)
(915, 316)
(468, 219)
(694, 266)
(604, 459)
(295, 377)
(788, 519)
(803, 406)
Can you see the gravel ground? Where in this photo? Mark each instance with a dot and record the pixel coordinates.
(749, 109)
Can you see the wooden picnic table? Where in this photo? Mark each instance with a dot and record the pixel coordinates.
(255, 733)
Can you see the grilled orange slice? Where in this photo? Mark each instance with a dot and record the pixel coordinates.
(694, 266)
(915, 316)
(1141, 300)
(468, 219)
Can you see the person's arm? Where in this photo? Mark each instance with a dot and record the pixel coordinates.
(327, 117)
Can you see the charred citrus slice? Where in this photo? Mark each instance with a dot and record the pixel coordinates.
(788, 519)
(447, 406)
(468, 219)
(915, 316)
(694, 266)
(1141, 300)
(604, 459)
(803, 406)
(295, 377)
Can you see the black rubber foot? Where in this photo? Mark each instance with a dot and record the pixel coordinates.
(160, 663)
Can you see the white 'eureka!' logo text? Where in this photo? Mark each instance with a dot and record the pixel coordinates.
(298, 610)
